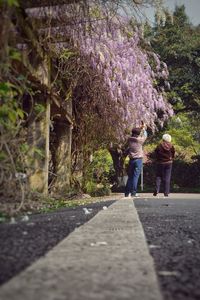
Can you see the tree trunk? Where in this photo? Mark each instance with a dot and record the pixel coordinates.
(118, 158)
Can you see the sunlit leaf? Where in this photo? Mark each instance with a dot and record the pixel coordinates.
(12, 116)
(20, 113)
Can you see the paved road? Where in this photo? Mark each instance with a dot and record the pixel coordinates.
(108, 257)
(172, 229)
(23, 242)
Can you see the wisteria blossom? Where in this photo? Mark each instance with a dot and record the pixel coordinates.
(114, 51)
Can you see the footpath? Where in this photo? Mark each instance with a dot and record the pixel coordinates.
(105, 259)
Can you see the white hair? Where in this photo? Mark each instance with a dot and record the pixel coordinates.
(167, 137)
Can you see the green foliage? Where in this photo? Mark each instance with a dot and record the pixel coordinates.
(95, 190)
(67, 54)
(3, 155)
(24, 148)
(98, 173)
(178, 44)
(10, 2)
(101, 167)
(10, 112)
(183, 137)
(51, 204)
(39, 152)
(95, 12)
(3, 217)
(15, 153)
(14, 54)
(39, 108)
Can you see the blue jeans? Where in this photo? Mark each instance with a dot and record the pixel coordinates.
(134, 171)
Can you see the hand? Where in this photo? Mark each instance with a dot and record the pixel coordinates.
(143, 125)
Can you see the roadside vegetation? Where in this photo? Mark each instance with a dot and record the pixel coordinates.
(91, 87)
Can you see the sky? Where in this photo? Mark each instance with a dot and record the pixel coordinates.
(192, 9)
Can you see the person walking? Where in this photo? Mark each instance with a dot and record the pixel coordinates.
(164, 155)
(135, 153)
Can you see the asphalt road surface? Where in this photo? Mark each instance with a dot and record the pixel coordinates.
(172, 229)
(171, 226)
(107, 258)
(23, 242)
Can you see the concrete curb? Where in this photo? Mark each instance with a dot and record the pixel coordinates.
(106, 258)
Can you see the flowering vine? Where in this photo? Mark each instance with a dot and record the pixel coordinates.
(129, 80)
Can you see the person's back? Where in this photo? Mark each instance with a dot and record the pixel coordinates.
(135, 153)
(164, 154)
(135, 146)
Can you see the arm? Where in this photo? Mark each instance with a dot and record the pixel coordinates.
(143, 130)
(143, 136)
(156, 152)
(173, 151)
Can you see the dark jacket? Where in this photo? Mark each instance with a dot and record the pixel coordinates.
(164, 152)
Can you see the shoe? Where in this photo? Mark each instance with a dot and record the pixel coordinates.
(135, 195)
(126, 197)
(155, 194)
(166, 195)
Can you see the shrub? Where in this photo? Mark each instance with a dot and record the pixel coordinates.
(96, 190)
(99, 171)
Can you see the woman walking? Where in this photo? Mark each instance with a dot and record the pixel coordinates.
(164, 154)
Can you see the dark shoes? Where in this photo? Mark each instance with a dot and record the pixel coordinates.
(155, 194)
(132, 195)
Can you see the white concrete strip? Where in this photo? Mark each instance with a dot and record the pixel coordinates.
(105, 259)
